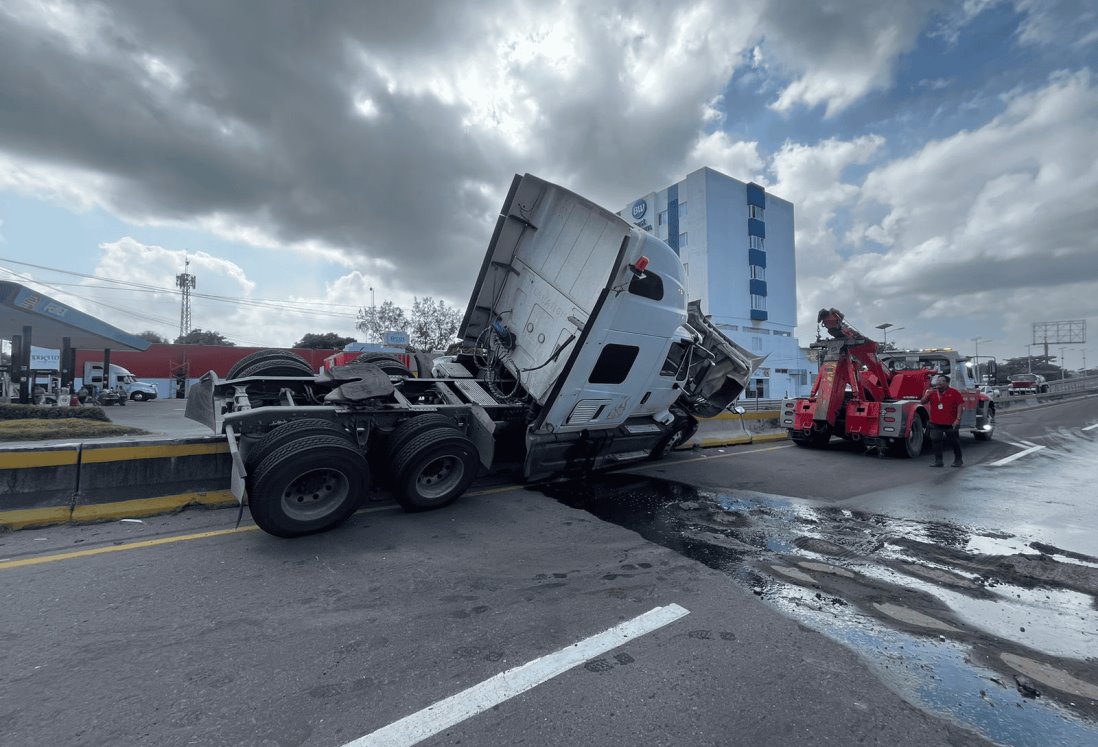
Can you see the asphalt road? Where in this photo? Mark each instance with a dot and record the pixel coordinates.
(180, 630)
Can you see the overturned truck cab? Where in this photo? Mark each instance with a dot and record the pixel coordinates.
(580, 352)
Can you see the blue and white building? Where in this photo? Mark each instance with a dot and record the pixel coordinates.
(736, 242)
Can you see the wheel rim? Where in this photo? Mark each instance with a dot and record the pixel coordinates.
(315, 493)
(440, 476)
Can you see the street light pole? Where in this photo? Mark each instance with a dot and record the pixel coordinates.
(884, 330)
(976, 356)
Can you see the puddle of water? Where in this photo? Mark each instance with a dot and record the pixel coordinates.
(993, 583)
(1054, 621)
(938, 677)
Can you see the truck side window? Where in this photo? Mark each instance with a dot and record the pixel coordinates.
(674, 359)
(613, 364)
(649, 286)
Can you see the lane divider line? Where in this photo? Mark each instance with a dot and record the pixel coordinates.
(1012, 457)
(140, 544)
(506, 685)
(1090, 427)
(24, 562)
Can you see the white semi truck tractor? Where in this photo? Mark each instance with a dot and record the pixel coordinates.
(580, 352)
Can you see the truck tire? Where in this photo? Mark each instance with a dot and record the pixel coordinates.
(387, 362)
(412, 427)
(276, 367)
(265, 355)
(434, 468)
(291, 431)
(685, 429)
(814, 440)
(310, 484)
(138, 396)
(912, 445)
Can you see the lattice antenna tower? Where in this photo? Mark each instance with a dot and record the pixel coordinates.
(185, 281)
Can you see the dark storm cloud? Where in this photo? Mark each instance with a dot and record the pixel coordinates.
(259, 123)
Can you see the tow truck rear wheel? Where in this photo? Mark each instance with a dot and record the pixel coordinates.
(268, 356)
(911, 446)
(434, 468)
(308, 485)
(815, 439)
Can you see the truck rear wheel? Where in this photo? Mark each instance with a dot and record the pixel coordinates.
(434, 468)
(292, 431)
(911, 446)
(308, 485)
(388, 363)
(262, 356)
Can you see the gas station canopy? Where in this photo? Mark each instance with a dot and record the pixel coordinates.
(51, 321)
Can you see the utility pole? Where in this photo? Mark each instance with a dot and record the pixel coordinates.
(185, 281)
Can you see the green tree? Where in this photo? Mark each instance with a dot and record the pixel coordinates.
(434, 324)
(150, 336)
(203, 337)
(323, 341)
(375, 321)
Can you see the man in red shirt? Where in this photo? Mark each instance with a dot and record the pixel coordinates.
(945, 404)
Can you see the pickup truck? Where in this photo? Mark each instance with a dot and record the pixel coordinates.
(580, 352)
(1027, 383)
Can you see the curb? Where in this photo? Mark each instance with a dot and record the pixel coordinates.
(103, 481)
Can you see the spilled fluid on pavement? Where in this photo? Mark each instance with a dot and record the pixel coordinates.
(975, 625)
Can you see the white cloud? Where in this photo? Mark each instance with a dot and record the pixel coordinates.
(735, 158)
(996, 224)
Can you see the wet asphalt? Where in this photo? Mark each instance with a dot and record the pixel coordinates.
(833, 598)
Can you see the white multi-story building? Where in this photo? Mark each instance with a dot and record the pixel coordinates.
(736, 242)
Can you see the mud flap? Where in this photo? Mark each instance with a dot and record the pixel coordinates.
(200, 402)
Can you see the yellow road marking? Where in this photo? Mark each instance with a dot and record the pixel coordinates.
(161, 451)
(89, 512)
(26, 458)
(23, 562)
(21, 518)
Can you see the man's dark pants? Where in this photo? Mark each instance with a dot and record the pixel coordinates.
(940, 435)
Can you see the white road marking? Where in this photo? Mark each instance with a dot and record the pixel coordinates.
(1020, 446)
(505, 685)
(1029, 443)
(1091, 427)
(1012, 457)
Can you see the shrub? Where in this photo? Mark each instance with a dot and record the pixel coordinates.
(47, 412)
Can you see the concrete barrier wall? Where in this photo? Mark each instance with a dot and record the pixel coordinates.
(37, 485)
(104, 481)
(730, 429)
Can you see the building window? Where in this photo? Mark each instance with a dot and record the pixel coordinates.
(757, 242)
(663, 218)
(682, 240)
(756, 343)
(758, 302)
(758, 273)
(754, 211)
(682, 210)
(686, 267)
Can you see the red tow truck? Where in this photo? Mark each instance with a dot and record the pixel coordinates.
(864, 395)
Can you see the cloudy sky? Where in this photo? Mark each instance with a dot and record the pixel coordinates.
(940, 155)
